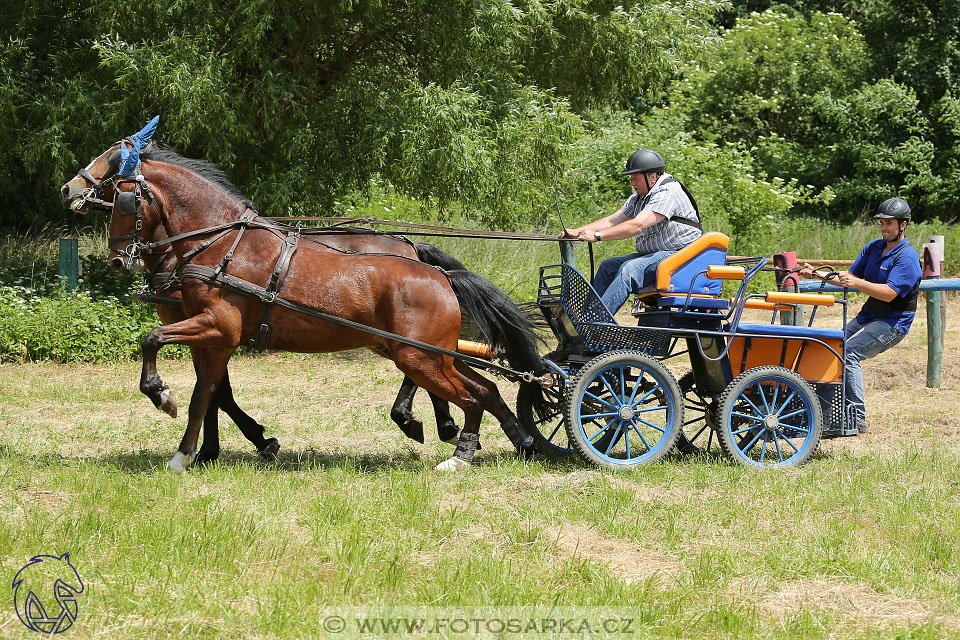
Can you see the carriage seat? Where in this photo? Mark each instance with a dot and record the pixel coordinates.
(682, 272)
(789, 331)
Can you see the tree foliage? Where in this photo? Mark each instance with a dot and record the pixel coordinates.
(467, 101)
(802, 89)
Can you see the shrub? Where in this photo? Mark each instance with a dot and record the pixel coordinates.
(69, 327)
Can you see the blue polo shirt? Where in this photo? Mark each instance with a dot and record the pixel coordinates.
(899, 270)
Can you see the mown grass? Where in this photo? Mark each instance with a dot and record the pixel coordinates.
(859, 543)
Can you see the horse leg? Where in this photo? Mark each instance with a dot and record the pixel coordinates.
(210, 449)
(461, 385)
(402, 411)
(212, 338)
(447, 429)
(402, 414)
(151, 385)
(211, 368)
(493, 402)
(250, 428)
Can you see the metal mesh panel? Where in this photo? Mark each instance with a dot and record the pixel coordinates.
(594, 323)
(830, 404)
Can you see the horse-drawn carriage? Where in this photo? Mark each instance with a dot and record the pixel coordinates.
(764, 393)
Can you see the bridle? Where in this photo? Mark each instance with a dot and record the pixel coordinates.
(125, 202)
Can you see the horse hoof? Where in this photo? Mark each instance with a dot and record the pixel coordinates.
(448, 431)
(204, 457)
(270, 450)
(168, 402)
(413, 429)
(453, 464)
(180, 462)
(527, 453)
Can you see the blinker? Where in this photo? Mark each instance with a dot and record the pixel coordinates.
(127, 202)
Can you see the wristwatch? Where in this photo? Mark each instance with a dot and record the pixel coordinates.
(596, 234)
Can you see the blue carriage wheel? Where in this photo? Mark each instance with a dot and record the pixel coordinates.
(623, 409)
(770, 417)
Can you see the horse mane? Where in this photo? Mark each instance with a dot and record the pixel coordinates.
(163, 152)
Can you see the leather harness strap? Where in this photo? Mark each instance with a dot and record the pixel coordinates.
(262, 336)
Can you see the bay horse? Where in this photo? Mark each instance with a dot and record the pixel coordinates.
(387, 295)
(162, 266)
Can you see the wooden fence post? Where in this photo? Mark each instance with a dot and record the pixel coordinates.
(931, 270)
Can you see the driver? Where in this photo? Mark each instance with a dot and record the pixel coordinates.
(887, 270)
(662, 216)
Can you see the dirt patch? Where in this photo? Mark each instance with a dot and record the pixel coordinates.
(625, 559)
(854, 600)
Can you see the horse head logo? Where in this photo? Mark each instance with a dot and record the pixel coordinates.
(45, 594)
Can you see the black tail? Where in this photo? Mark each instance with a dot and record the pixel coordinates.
(503, 325)
(433, 256)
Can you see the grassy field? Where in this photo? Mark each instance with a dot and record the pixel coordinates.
(863, 542)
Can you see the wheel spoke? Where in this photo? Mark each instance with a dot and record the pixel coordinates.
(645, 443)
(662, 407)
(785, 403)
(614, 439)
(789, 442)
(599, 415)
(752, 442)
(594, 437)
(652, 426)
(790, 415)
(743, 396)
(746, 417)
(613, 393)
(598, 399)
(645, 396)
(763, 396)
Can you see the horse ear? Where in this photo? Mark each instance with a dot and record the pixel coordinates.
(147, 132)
(132, 161)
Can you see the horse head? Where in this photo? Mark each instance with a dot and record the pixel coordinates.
(112, 181)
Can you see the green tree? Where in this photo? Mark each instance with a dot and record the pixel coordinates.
(473, 102)
(800, 90)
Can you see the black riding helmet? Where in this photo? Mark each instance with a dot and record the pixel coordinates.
(644, 161)
(893, 208)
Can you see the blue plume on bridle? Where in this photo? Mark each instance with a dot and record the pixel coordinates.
(130, 164)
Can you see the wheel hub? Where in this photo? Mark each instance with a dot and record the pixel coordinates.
(771, 422)
(626, 413)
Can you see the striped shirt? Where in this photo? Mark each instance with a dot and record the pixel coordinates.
(670, 201)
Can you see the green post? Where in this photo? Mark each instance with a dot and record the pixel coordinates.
(69, 267)
(934, 338)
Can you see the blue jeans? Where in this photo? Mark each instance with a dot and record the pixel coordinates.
(618, 277)
(864, 341)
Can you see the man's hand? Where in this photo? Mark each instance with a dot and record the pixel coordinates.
(847, 279)
(570, 233)
(807, 270)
